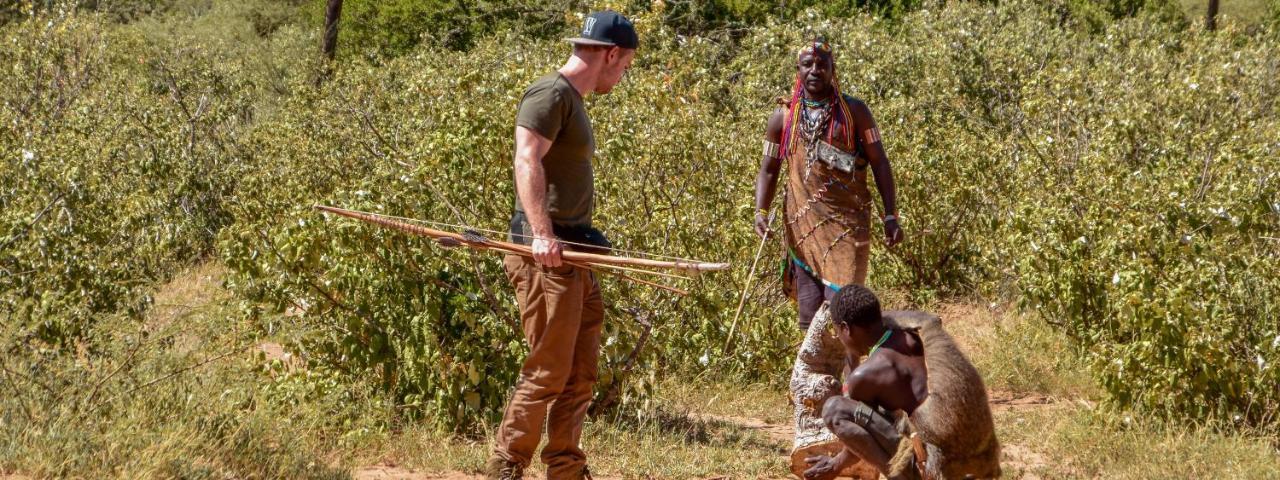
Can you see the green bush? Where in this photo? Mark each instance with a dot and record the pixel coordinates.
(1117, 178)
(374, 29)
(118, 147)
(425, 124)
(1152, 241)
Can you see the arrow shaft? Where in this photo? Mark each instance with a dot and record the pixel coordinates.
(525, 250)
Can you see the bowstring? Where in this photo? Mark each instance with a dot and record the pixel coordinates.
(499, 232)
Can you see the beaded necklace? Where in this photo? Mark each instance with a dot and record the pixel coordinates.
(883, 338)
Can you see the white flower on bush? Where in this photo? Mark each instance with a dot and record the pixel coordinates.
(28, 155)
(1276, 343)
(1115, 278)
(1262, 362)
(704, 360)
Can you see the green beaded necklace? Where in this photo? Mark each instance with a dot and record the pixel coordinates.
(883, 338)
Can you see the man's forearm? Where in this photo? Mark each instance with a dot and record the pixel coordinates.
(884, 183)
(531, 183)
(766, 183)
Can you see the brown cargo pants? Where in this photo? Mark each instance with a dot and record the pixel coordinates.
(562, 314)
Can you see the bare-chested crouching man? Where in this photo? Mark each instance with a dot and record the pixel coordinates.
(912, 366)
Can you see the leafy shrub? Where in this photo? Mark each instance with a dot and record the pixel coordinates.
(1151, 241)
(1117, 178)
(375, 29)
(117, 163)
(182, 397)
(420, 127)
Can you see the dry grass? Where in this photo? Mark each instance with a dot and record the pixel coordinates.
(1047, 417)
(179, 395)
(242, 419)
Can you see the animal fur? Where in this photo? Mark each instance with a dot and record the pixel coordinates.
(955, 420)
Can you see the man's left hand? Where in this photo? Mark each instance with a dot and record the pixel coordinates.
(892, 233)
(822, 467)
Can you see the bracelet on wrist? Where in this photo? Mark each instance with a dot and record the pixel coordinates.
(891, 217)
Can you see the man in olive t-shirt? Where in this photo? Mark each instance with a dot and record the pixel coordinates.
(561, 310)
(552, 108)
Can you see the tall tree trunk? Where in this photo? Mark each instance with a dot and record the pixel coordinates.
(1211, 16)
(330, 48)
(331, 15)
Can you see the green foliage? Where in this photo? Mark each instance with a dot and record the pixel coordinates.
(1116, 177)
(375, 29)
(427, 123)
(179, 395)
(1154, 245)
(117, 147)
(703, 17)
(380, 29)
(116, 10)
(1098, 13)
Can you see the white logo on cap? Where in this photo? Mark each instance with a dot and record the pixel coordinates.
(591, 22)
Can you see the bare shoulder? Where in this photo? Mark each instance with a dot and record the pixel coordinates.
(858, 108)
(774, 129)
(854, 102)
(870, 378)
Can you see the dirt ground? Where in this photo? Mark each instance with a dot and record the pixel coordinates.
(1015, 457)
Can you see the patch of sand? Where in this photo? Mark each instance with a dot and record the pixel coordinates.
(784, 433)
(1015, 401)
(393, 472)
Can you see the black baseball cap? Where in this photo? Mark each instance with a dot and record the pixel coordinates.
(607, 28)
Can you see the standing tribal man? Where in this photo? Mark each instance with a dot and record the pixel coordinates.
(560, 305)
(827, 140)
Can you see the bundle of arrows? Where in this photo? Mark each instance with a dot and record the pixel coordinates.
(611, 264)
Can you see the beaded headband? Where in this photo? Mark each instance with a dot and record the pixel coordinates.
(818, 45)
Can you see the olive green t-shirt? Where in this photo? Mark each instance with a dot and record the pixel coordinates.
(554, 109)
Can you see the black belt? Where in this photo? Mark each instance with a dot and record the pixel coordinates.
(581, 238)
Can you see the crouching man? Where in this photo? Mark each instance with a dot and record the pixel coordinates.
(916, 408)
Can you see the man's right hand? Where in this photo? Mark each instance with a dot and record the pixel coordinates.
(822, 467)
(546, 251)
(762, 225)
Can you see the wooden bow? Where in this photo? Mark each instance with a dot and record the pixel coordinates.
(586, 260)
